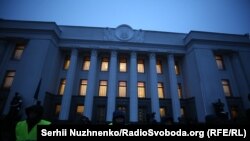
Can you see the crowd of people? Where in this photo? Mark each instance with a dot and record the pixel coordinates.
(20, 130)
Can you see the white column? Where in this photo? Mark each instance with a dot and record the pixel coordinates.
(112, 86)
(241, 80)
(133, 103)
(88, 104)
(173, 88)
(153, 86)
(66, 99)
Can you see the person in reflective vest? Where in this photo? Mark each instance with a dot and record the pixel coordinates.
(26, 130)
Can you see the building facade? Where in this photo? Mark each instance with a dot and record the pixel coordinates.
(94, 71)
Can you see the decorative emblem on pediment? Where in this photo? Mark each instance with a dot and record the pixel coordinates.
(123, 33)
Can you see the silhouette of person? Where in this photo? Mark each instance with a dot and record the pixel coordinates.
(15, 107)
(151, 118)
(218, 107)
(219, 110)
(118, 118)
(27, 129)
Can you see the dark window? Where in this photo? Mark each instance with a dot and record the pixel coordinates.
(101, 114)
(142, 114)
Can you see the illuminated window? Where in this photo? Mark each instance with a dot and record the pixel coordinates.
(8, 80)
(105, 64)
(183, 111)
(234, 112)
(66, 63)
(83, 87)
(80, 109)
(122, 89)
(62, 87)
(160, 90)
(219, 62)
(103, 88)
(58, 109)
(179, 90)
(159, 67)
(177, 68)
(140, 66)
(86, 63)
(123, 64)
(141, 90)
(18, 51)
(162, 112)
(226, 87)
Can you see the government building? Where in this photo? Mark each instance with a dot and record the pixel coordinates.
(94, 71)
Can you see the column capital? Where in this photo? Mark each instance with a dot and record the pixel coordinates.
(152, 55)
(133, 54)
(93, 53)
(113, 53)
(74, 51)
(171, 55)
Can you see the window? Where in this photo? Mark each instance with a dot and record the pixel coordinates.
(105, 64)
(160, 90)
(83, 87)
(123, 64)
(86, 63)
(234, 112)
(162, 112)
(142, 114)
(140, 66)
(177, 68)
(226, 87)
(101, 114)
(183, 111)
(66, 63)
(141, 89)
(219, 62)
(103, 88)
(122, 89)
(80, 109)
(18, 51)
(58, 109)
(8, 80)
(122, 108)
(159, 67)
(179, 90)
(62, 87)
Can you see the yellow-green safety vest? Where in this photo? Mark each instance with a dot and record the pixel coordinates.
(22, 133)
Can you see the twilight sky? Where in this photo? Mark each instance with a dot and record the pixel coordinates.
(226, 16)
